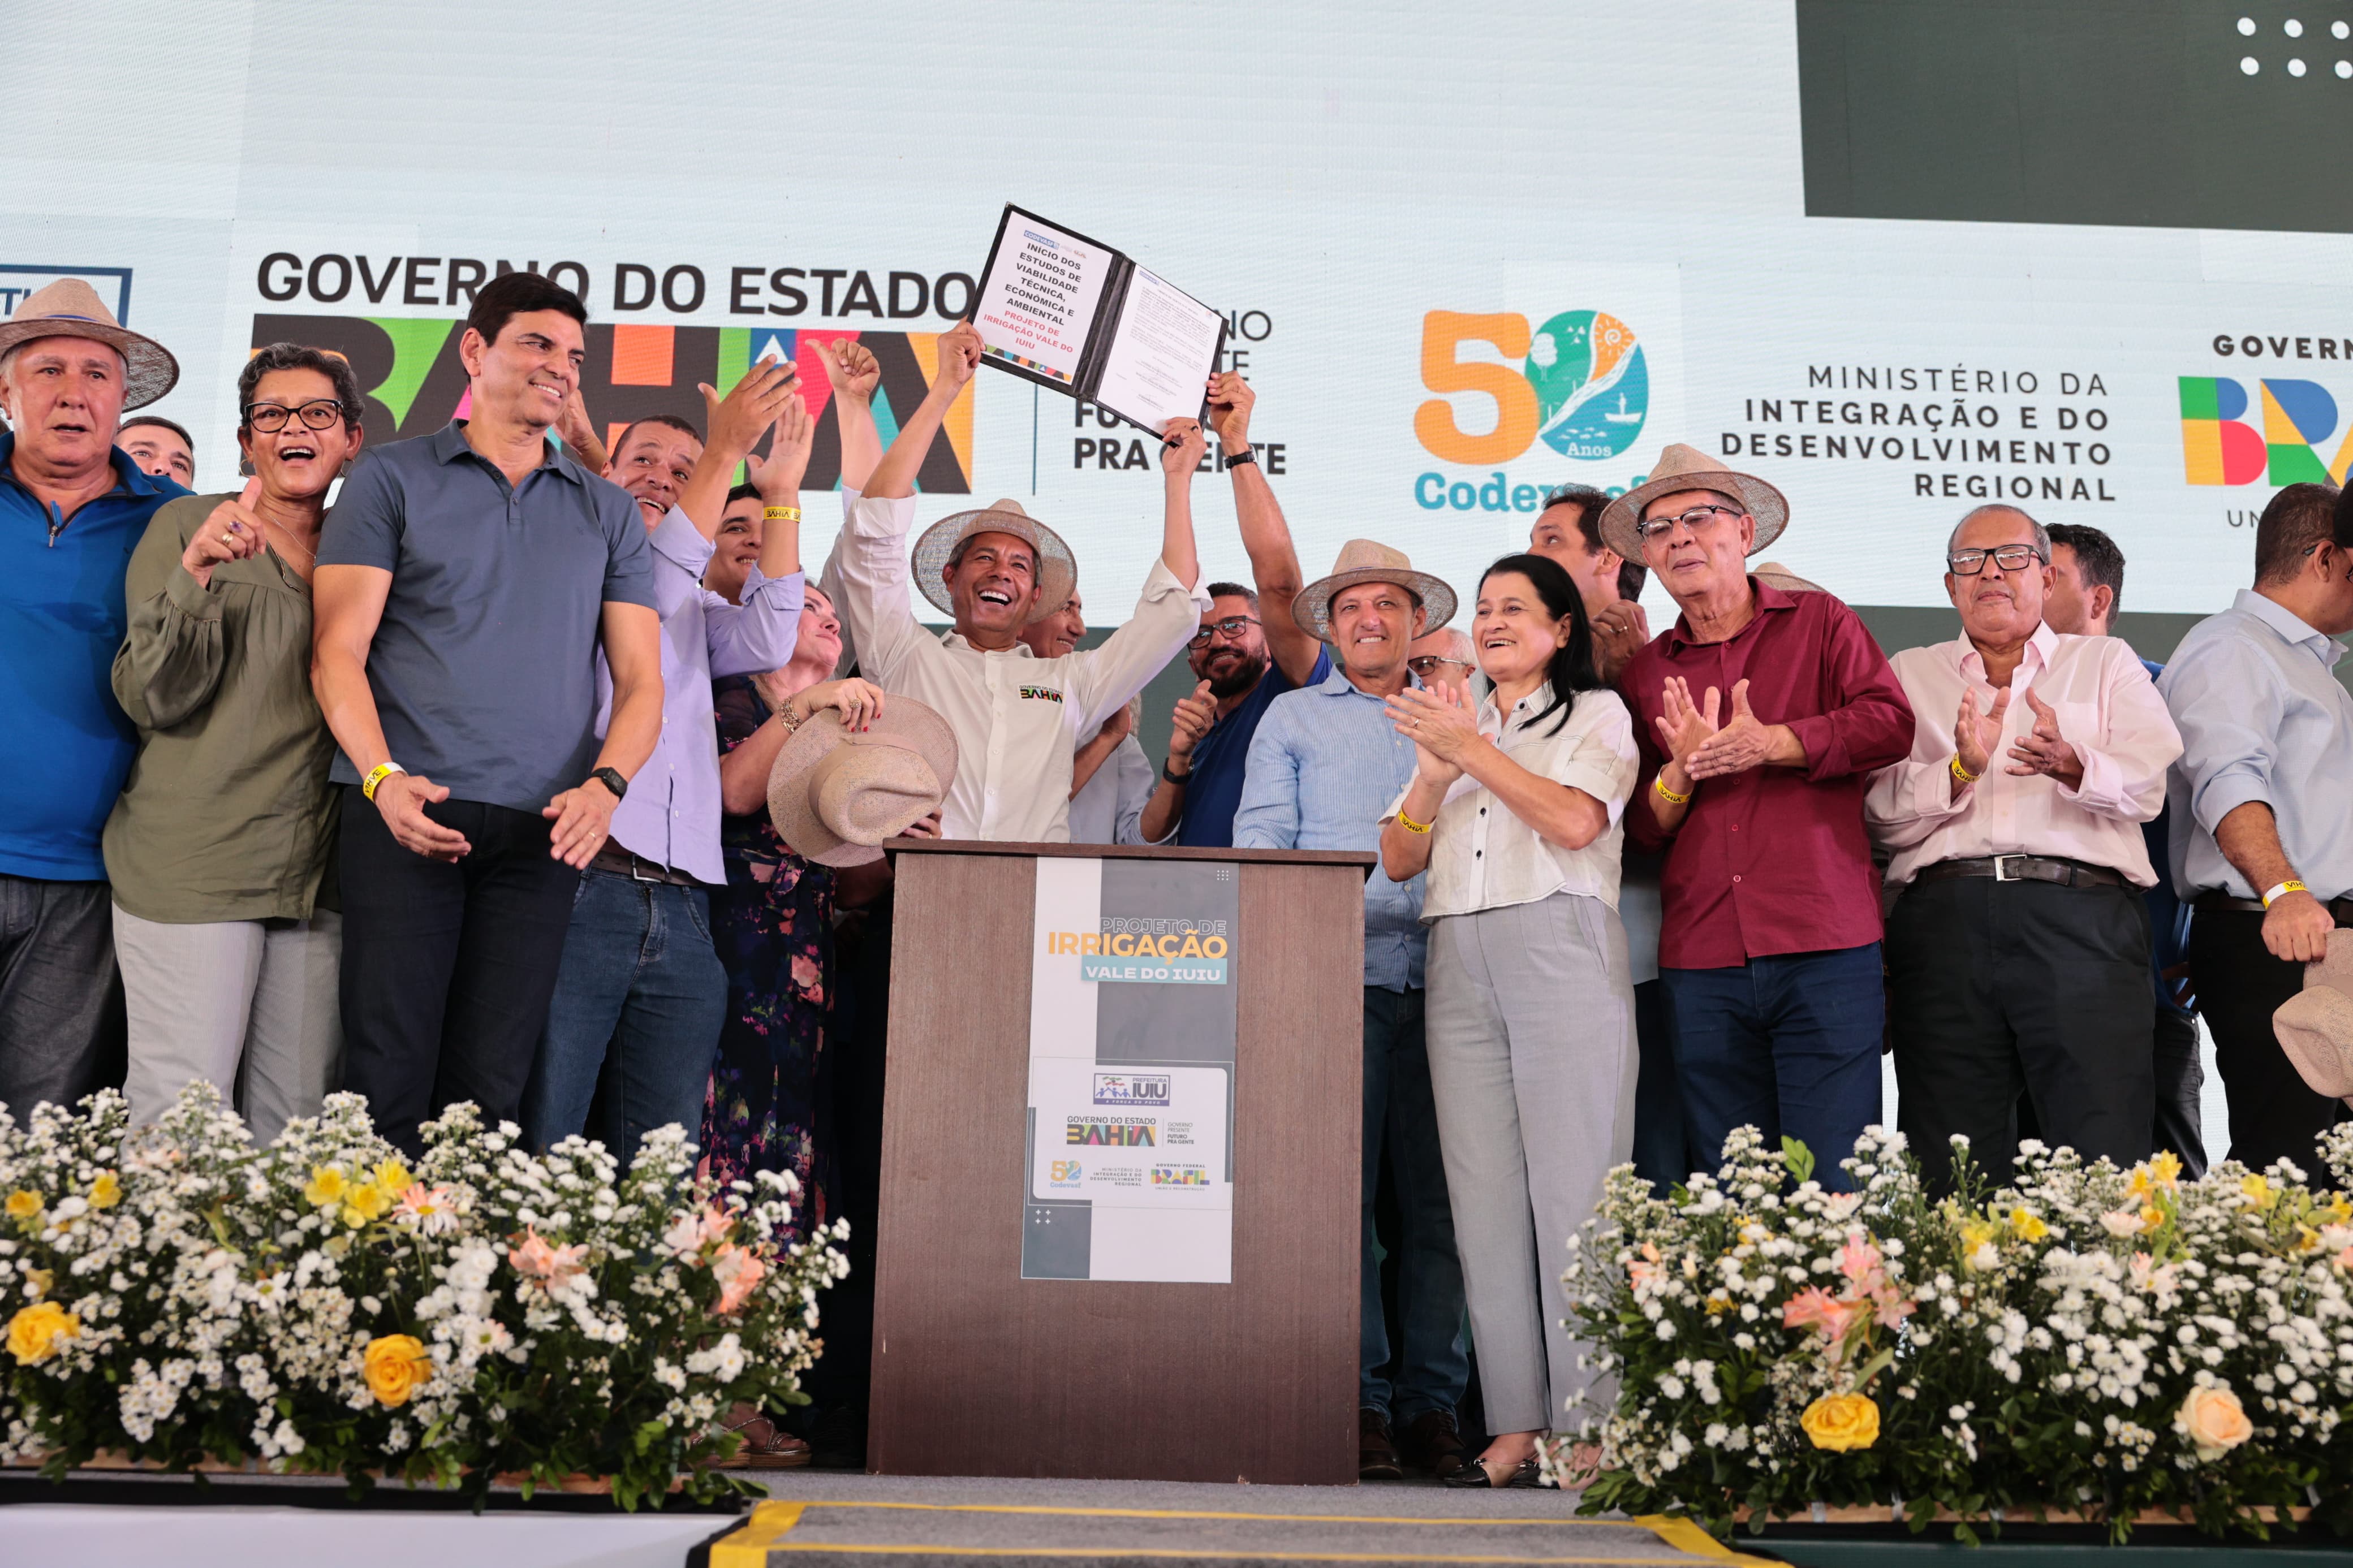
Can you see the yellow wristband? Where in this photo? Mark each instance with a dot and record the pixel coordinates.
(1670, 796)
(1962, 773)
(2284, 890)
(376, 775)
(1409, 824)
(780, 514)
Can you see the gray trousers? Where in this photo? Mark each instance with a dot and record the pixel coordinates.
(250, 1006)
(1532, 1057)
(60, 1005)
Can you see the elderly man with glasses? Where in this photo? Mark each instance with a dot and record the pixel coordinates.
(1761, 715)
(2018, 948)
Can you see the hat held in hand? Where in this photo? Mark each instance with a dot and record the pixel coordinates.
(2315, 1025)
(835, 794)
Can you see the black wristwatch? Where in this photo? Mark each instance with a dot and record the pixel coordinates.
(1247, 454)
(1174, 778)
(612, 780)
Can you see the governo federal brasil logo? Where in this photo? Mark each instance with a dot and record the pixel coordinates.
(1582, 385)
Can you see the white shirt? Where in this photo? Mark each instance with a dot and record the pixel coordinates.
(2108, 708)
(1483, 858)
(1017, 718)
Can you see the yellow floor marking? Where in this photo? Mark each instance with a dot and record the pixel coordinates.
(1180, 1555)
(748, 1546)
(1191, 1514)
(1684, 1535)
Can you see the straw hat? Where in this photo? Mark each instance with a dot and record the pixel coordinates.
(2315, 1025)
(1058, 571)
(1773, 574)
(1681, 467)
(835, 795)
(1362, 561)
(70, 308)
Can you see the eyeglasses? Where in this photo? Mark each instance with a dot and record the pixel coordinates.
(2009, 558)
(321, 414)
(1426, 665)
(1230, 628)
(1699, 517)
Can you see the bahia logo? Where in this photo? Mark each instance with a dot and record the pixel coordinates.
(2218, 446)
(1581, 389)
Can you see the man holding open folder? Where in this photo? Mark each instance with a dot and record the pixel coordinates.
(1017, 718)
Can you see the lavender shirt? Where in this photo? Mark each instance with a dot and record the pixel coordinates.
(672, 812)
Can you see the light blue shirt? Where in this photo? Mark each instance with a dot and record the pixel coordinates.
(2262, 718)
(1323, 766)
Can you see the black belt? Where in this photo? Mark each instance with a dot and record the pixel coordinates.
(2024, 868)
(621, 863)
(2215, 898)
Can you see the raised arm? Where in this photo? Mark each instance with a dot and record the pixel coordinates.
(1180, 456)
(854, 372)
(735, 423)
(1266, 537)
(761, 633)
(1170, 608)
(894, 476)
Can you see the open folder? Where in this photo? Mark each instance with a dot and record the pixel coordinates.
(1073, 313)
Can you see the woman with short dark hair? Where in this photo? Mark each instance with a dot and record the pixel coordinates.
(220, 850)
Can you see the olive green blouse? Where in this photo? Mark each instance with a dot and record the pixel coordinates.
(227, 814)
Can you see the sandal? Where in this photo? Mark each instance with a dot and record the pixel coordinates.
(766, 1446)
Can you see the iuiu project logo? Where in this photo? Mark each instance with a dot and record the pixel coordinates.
(1580, 389)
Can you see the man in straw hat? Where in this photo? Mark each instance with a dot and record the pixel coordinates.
(73, 509)
(1762, 714)
(1323, 767)
(1018, 719)
(2018, 953)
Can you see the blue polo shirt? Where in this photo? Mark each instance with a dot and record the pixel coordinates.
(484, 665)
(64, 745)
(1213, 793)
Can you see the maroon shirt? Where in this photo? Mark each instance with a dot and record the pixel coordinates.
(1773, 860)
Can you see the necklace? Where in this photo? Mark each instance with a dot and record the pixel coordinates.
(308, 557)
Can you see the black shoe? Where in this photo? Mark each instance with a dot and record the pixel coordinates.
(1529, 1473)
(1430, 1442)
(1377, 1456)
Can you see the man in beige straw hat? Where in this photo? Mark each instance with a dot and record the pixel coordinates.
(1762, 714)
(1323, 767)
(73, 509)
(1018, 719)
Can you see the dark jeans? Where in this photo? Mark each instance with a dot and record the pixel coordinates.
(1662, 1153)
(2274, 1115)
(62, 1020)
(447, 969)
(1400, 1111)
(1788, 1044)
(1999, 987)
(640, 999)
(2180, 1083)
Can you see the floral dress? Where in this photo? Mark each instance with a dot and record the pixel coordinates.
(773, 927)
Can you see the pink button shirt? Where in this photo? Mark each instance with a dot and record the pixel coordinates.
(2108, 710)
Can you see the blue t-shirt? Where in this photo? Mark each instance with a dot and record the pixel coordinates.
(67, 744)
(1222, 757)
(2169, 917)
(484, 665)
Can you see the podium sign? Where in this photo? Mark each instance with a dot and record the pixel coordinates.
(1121, 1148)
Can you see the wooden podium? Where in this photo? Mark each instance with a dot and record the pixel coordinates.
(978, 1371)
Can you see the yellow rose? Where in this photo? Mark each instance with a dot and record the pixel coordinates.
(23, 1205)
(1842, 1422)
(40, 1331)
(2211, 1419)
(394, 1177)
(106, 1192)
(396, 1366)
(326, 1188)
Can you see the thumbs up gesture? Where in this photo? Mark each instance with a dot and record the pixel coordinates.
(1188, 723)
(1743, 742)
(2041, 750)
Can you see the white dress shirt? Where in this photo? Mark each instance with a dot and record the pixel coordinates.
(1481, 857)
(2108, 708)
(1017, 718)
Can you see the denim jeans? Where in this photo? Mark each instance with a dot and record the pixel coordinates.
(1788, 1044)
(1400, 1111)
(640, 1001)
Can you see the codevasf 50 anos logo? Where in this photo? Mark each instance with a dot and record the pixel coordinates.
(1581, 390)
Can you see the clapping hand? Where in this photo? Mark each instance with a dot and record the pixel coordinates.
(1976, 733)
(2041, 750)
(777, 476)
(751, 405)
(1684, 725)
(1744, 741)
(1441, 727)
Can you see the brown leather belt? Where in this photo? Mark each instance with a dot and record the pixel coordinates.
(2215, 898)
(621, 863)
(2024, 868)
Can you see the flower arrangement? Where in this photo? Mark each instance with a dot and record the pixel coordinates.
(176, 1294)
(2086, 1339)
